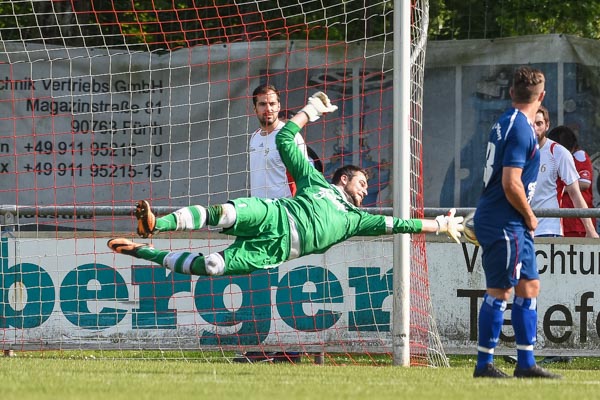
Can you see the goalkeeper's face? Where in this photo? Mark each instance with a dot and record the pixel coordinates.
(356, 187)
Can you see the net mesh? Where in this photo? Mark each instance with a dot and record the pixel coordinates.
(104, 103)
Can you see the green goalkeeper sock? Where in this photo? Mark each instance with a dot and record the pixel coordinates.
(151, 254)
(166, 223)
(184, 219)
(199, 265)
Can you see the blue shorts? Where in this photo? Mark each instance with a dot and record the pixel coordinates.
(509, 257)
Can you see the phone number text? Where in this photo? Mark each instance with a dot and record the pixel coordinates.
(95, 170)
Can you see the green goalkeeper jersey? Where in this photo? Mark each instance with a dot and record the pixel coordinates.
(271, 231)
(321, 214)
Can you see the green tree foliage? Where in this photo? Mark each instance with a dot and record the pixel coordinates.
(488, 19)
(169, 24)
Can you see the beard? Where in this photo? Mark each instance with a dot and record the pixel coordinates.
(267, 121)
(354, 199)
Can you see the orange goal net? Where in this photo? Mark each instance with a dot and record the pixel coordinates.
(103, 103)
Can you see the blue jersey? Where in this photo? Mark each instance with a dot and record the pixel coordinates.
(512, 143)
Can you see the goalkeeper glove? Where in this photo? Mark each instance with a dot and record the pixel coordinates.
(318, 104)
(450, 225)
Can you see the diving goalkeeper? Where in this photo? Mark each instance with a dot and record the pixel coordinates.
(271, 231)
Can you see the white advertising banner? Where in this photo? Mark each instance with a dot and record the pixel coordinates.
(81, 128)
(568, 308)
(68, 293)
(76, 293)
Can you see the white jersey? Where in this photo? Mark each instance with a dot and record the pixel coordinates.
(269, 179)
(556, 163)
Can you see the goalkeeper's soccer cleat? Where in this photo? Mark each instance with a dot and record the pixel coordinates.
(490, 371)
(125, 246)
(535, 372)
(146, 219)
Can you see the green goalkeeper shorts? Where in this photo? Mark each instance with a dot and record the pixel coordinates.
(262, 232)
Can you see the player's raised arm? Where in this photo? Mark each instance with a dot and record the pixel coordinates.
(318, 104)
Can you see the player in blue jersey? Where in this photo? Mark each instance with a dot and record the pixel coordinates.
(271, 231)
(504, 226)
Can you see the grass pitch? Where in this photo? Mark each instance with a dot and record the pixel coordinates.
(77, 376)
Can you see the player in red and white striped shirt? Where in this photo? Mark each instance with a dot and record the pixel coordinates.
(575, 227)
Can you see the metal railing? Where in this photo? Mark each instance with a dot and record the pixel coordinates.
(429, 212)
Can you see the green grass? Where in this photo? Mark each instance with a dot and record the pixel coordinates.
(85, 376)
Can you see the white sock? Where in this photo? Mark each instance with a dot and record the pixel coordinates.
(180, 261)
(228, 216)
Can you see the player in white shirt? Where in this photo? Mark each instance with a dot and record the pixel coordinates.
(556, 164)
(268, 176)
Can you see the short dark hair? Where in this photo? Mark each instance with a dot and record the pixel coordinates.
(527, 84)
(349, 171)
(565, 136)
(264, 89)
(544, 111)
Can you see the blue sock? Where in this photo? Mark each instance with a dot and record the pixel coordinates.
(524, 321)
(491, 318)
